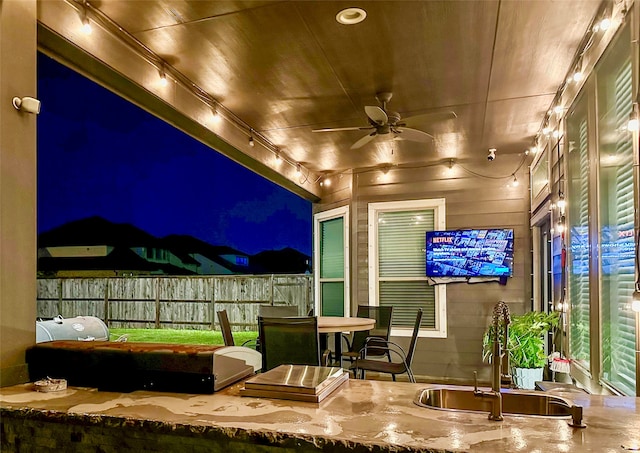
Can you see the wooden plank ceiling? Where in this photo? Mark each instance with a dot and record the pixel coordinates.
(287, 67)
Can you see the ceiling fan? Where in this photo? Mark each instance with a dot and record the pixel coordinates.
(383, 121)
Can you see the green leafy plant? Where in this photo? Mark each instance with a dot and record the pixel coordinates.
(526, 340)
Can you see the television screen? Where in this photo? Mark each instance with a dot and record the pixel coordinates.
(469, 253)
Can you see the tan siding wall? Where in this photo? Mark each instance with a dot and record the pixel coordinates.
(471, 202)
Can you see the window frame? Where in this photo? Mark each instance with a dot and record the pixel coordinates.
(374, 209)
(318, 218)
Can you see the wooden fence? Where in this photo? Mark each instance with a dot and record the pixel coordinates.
(172, 302)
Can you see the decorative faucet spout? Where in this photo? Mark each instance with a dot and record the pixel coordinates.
(500, 361)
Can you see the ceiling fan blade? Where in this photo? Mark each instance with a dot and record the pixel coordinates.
(414, 135)
(429, 118)
(337, 129)
(364, 140)
(376, 114)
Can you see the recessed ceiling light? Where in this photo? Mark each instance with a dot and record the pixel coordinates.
(351, 16)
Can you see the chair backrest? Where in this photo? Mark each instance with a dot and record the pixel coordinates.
(382, 315)
(289, 341)
(414, 338)
(225, 328)
(277, 311)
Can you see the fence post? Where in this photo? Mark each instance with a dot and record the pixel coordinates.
(213, 303)
(59, 296)
(271, 296)
(157, 302)
(106, 302)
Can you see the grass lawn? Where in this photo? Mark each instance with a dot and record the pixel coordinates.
(179, 336)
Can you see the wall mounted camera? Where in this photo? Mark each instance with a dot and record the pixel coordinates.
(492, 154)
(27, 104)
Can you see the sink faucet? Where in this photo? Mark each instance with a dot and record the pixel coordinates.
(499, 362)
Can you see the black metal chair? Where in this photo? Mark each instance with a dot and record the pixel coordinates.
(293, 340)
(363, 364)
(277, 311)
(227, 335)
(383, 316)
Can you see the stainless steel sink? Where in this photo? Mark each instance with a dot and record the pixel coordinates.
(515, 403)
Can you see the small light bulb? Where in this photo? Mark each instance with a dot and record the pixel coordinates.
(515, 182)
(534, 149)
(278, 159)
(298, 169)
(578, 75)
(561, 204)
(215, 117)
(634, 122)
(163, 80)
(605, 24)
(546, 130)
(635, 306)
(556, 133)
(558, 109)
(327, 182)
(86, 26)
(251, 142)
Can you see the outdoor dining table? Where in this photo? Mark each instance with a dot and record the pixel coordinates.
(338, 325)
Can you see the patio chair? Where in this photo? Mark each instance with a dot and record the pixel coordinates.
(363, 364)
(227, 335)
(292, 340)
(382, 315)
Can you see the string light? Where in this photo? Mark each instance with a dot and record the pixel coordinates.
(251, 142)
(298, 169)
(215, 117)
(515, 182)
(562, 203)
(450, 167)
(560, 225)
(86, 25)
(634, 119)
(578, 75)
(558, 109)
(163, 79)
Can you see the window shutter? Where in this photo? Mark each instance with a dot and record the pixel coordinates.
(617, 233)
(579, 235)
(332, 248)
(401, 261)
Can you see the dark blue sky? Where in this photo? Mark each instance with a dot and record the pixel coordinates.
(98, 154)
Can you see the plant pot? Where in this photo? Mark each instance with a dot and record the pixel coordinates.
(525, 378)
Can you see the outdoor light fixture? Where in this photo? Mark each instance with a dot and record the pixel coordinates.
(26, 104)
(351, 16)
(163, 78)
(216, 118)
(578, 75)
(450, 166)
(86, 26)
(634, 119)
(562, 203)
(278, 158)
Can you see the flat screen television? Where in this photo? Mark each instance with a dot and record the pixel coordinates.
(469, 253)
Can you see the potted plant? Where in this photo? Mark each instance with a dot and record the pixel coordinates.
(525, 345)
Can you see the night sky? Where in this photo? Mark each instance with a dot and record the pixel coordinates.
(100, 155)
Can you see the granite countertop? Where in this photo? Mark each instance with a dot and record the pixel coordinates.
(361, 415)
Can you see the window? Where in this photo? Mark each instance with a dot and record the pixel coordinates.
(331, 266)
(397, 264)
(578, 232)
(616, 217)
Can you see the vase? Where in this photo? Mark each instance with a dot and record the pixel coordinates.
(525, 378)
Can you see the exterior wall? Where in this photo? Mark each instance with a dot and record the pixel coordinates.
(471, 202)
(17, 189)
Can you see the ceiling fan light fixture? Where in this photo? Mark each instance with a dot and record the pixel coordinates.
(351, 16)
